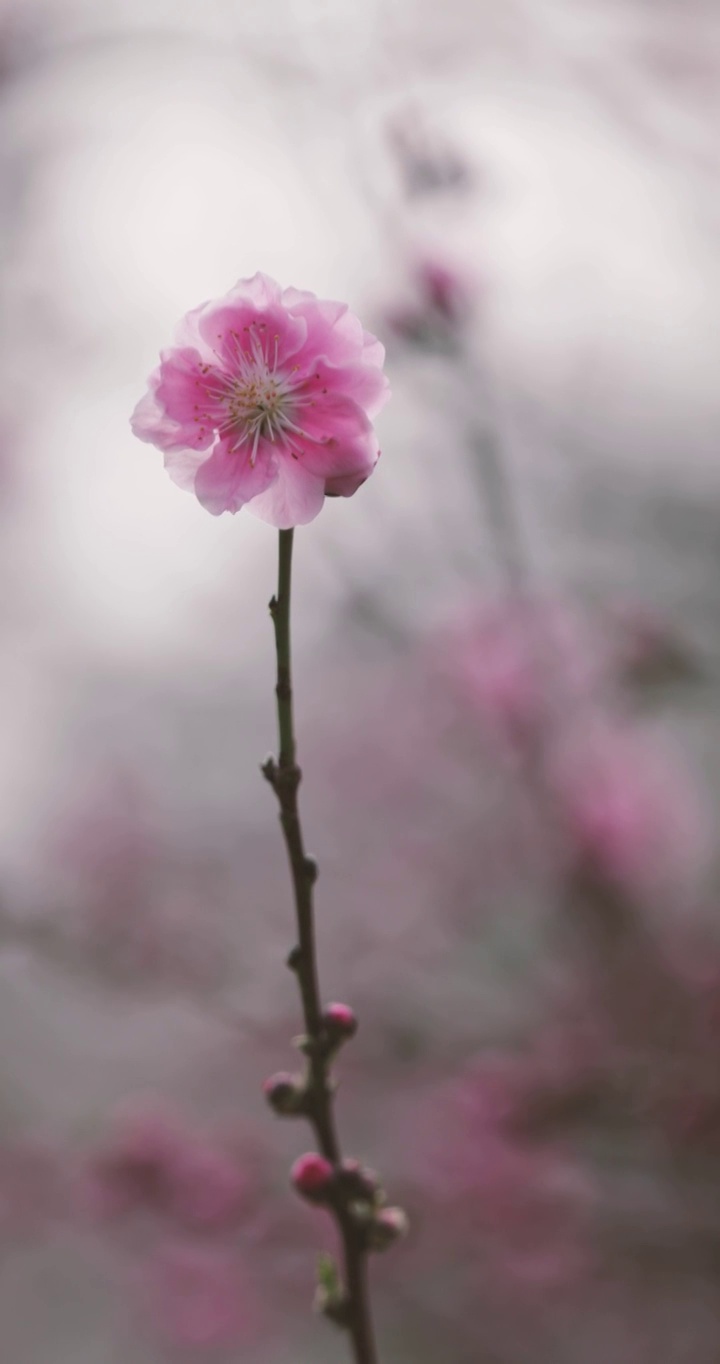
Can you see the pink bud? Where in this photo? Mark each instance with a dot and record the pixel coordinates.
(285, 1094)
(340, 1021)
(444, 289)
(312, 1176)
(358, 1181)
(387, 1227)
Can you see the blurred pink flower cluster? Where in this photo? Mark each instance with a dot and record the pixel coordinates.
(516, 1207)
(510, 1132)
(438, 307)
(192, 1200)
(546, 681)
(629, 809)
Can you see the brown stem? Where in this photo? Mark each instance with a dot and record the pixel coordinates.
(284, 777)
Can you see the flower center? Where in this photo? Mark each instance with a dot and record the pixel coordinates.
(255, 398)
(257, 405)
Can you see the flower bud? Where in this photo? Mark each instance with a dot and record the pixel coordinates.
(445, 290)
(285, 1094)
(388, 1226)
(313, 1176)
(358, 1182)
(340, 1022)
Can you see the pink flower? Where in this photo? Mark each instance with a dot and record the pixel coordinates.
(198, 1297)
(630, 811)
(514, 1207)
(207, 1189)
(265, 400)
(515, 661)
(155, 1164)
(132, 1171)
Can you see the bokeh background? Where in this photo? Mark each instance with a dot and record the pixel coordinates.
(507, 650)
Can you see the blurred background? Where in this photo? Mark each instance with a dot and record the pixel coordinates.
(507, 654)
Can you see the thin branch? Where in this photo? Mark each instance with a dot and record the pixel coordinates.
(284, 777)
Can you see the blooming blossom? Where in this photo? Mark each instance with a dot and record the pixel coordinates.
(155, 1163)
(631, 812)
(265, 401)
(514, 1208)
(517, 660)
(198, 1297)
(131, 1171)
(208, 1189)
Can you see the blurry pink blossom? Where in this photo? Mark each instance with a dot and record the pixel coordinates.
(155, 1163)
(629, 809)
(132, 1170)
(447, 291)
(516, 1205)
(265, 400)
(518, 659)
(207, 1190)
(198, 1297)
(490, 1093)
(440, 303)
(134, 894)
(513, 1093)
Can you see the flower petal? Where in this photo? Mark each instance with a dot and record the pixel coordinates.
(182, 466)
(365, 384)
(338, 441)
(168, 416)
(238, 332)
(333, 331)
(294, 499)
(259, 289)
(227, 480)
(373, 352)
(147, 421)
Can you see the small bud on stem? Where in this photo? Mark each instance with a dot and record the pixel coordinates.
(388, 1226)
(286, 1094)
(340, 1023)
(314, 1177)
